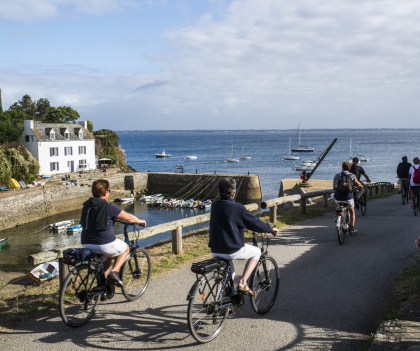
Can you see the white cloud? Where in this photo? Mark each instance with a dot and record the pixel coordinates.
(264, 64)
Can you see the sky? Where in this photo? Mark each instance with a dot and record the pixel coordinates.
(216, 64)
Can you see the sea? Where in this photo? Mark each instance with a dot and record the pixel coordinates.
(383, 147)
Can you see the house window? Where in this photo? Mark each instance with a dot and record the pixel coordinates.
(67, 135)
(53, 151)
(32, 138)
(80, 135)
(52, 136)
(27, 138)
(54, 166)
(82, 150)
(68, 150)
(82, 164)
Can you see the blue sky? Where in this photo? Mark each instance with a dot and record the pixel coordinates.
(216, 64)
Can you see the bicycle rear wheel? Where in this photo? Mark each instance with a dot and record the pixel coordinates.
(341, 234)
(135, 274)
(416, 203)
(362, 204)
(205, 319)
(77, 299)
(265, 282)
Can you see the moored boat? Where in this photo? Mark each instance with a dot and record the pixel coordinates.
(44, 272)
(163, 154)
(4, 241)
(63, 225)
(191, 157)
(74, 229)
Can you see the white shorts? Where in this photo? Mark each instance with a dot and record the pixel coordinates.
(114, 249)
(244, 253)
(349, 203)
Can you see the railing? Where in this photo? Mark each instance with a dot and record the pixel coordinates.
(177, 226)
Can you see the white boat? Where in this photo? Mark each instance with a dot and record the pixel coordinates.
(74, 229)
(290, 156)
(305, 166)
(163, 155)
(191, 157)
(232, 159)
(125, 200)
(151, 198)
(44, 272)
(243, 157)
(302, 148)
(63, 225)
(361, 158)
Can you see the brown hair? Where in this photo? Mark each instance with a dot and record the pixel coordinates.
(99, 187)
(416, 160)
(346, 166)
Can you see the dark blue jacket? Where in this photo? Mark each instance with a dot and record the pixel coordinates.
(228, 219)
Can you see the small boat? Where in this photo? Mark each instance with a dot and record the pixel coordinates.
(243, 157)
(44, 272)
(290, 156)
(205, 205)
(4, 241)
(302, 148)
(15, 183)
(163, 155)
(63, 225)
(125, 200)
(191, 157)
(306, 166)
(232, 159)
(74, 229)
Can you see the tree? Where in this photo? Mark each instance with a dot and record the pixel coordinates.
(61, 114)
(90, 126)
(42, 107)
(11, 126)
(26, 105)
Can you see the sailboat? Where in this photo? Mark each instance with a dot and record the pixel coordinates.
(302, 148)
(232, 159)
(290, 156)
(243, 157)
(361, 158)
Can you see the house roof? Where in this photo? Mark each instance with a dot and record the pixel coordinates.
(44, 130)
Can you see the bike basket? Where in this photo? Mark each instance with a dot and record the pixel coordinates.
(73, 256)
(208, 265)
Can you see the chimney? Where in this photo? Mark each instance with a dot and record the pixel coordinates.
(83, 123)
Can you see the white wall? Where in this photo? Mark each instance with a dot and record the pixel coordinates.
(45, 159)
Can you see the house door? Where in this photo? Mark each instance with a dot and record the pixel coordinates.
(71, 166)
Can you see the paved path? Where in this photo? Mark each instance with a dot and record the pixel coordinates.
(331, 297)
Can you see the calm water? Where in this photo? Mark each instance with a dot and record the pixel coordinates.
(212, 148)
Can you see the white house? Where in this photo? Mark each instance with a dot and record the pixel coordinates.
(60, 147)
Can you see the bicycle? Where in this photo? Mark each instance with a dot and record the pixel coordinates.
(405, 184)
(342, 221)
(214, 296)
(416, 199)
(360, 204)
(86, 284)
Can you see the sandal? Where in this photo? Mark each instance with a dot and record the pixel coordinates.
(244, 289)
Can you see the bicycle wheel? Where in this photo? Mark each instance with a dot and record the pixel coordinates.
(77, 299)
(403, 195)
(135, 274)
(265, 282)
(205, 319)
(341, 234)
(362, 204)
(416, 203)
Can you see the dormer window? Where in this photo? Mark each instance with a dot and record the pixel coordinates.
(50, 133)
(78, 132)
(65, 133)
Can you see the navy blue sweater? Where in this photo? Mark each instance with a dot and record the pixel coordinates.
(228, 219)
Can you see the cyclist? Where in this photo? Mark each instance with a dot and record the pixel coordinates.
(358, 171)
(98, 229)
(402, 171)
(343, 194)
(414, 176)
(228, 219)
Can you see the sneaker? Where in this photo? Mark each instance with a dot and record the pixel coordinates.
(353, 232)
(115, 279)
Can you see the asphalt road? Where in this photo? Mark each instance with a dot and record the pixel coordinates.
(331, 297)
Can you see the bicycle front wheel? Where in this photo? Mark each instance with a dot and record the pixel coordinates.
(205, 318)
(362, 204)
(135, 274)
(77, 299)
(416, 203)
(265, 282)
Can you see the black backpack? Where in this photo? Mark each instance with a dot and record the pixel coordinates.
(345, 183)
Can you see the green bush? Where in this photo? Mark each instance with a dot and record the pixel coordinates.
(22, 165)
(5, 168)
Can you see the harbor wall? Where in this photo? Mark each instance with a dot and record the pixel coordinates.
(28, 205)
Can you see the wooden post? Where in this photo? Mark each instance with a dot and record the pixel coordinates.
(370, 191)
(302, 206)
(376, 190)
(177, 240)
(325, 200)
(63, 271)
(273, 214)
